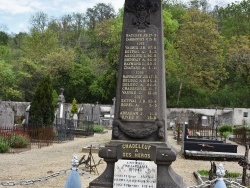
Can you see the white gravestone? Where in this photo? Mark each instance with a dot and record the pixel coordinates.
(135, 174)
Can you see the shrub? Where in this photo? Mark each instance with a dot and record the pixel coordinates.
(19, 141)
(4, 146)
(97, 128)
(74, 108)
(225, 130)
(42, 108)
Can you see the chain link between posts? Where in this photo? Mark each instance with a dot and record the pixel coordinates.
(61, 172)
(32, 181)
(208, 183)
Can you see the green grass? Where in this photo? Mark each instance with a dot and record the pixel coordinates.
(227, 174)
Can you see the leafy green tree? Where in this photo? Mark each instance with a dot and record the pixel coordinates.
(58, 62)
(238, 59)
(39, 21)
(42, 108)
(28, 64)
(55, 98)
(99, 13)
(4, 53)
(8, 89)
(199, 47)
(69, 29)
(8, 79)
(74, 108)
(4, 38)
(176, 8)
(29, 75)
(234, 20)
(37, 45)
(202, 5)
(77, 84)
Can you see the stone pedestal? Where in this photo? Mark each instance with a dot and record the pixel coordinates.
(164, 156)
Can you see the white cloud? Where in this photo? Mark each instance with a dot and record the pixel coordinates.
(81, 6)
(13, 7)
(15, 14)
(77, 7)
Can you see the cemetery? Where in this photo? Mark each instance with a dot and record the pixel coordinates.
(135, 142)
(193, 140)
(202, 143)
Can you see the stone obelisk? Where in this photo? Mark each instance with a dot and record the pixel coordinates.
(139, 126)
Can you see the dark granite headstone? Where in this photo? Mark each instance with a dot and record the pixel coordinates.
(139, 126)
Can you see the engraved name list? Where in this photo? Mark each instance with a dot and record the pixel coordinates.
(139, 79)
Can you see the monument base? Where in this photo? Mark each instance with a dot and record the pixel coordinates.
(163, 157)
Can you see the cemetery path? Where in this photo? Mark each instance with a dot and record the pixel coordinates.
(38, 163)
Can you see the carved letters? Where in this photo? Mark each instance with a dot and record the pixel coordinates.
(139, 90)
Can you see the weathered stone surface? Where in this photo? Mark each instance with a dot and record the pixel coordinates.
(131, 173)
(6, 116)
(140, 99)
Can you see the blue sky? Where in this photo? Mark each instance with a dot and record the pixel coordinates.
(15, 14)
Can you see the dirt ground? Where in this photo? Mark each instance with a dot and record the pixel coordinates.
(38, 163)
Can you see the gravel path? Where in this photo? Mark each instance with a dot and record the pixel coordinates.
(38, 163)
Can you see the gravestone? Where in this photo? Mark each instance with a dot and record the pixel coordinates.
(96, 113)
(61, 101)
(6, 116)
(2, 114)
(112, 110)
(139, 126)
(86, 112)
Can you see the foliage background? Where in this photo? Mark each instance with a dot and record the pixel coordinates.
(207, 55)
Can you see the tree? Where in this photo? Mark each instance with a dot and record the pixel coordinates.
(74, 108)
(99, 13)
(58, 62)
(41, 108)
(55, 98)
(39, 21)
(234, 20)
(8, 89)
(200, 52)
(37, 45)
(201, 5)
(3, 38)
(238, 59)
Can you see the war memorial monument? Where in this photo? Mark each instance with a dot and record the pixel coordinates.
(138, 155)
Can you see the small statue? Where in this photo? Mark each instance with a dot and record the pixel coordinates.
(220, 172)
(73, 179)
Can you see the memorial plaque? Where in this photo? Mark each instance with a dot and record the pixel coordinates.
(139, 99)
(136, 151)
(135, 174)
